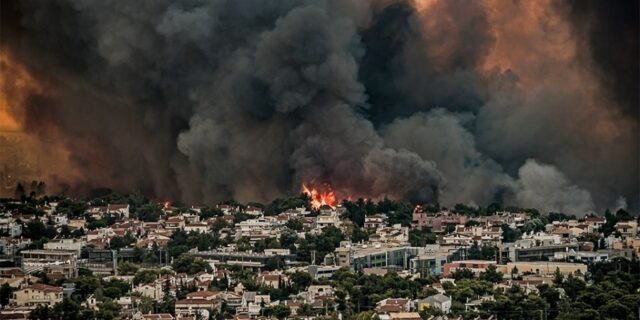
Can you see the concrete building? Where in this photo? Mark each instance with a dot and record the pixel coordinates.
(200, 303)
(10, 227)
(428, 263)
(373, 222)
(437, 301)
(381, 256)
(627, 229)
(51, 262)
(436, 222)
(327, 218)
(65, 244)
(543, 268)
(531, 250)
(244, 259)
(476, 266)
(121, 210)
(581, 256)
(36, 295)
(318, 272)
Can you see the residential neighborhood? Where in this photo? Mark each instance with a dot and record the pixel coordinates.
(127, 257)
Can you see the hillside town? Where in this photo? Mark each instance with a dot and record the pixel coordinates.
(127, 257)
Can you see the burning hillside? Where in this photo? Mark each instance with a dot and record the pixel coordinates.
(451, 101)
(323, 195)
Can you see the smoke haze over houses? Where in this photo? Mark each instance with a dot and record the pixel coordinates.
(530, 103)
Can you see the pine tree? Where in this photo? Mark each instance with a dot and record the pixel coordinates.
(558, 278)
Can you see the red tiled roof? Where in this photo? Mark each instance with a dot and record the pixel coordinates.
(44, 287)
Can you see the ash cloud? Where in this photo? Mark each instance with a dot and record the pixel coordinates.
(493, 101)
(544, 187)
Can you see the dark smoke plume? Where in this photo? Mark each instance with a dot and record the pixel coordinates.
(449, 101)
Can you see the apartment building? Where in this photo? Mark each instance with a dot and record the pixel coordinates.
(36, 295)
(61, 262)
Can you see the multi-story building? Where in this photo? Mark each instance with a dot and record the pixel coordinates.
(396, 233)
(376, 255)
(174, 223)
(244, 259)
(540, 253)
(318, 272)
(152, 290)
(36, 295)
(121, 210)
(327, 218)
(587, 257)
(430, 262)
(438, 223)
(74, 244)
(61, 262)
(10, 246)
(627, 229)
(374, 222)
(198, 304)
(628, 243)
(476, 266)
(10, 227)
(100, 261)
(543, 268)
(594, 223)
(437, 301)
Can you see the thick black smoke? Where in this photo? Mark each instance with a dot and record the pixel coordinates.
(210, 100)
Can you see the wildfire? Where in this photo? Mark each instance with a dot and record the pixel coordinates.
(15, 84)
(320, 197)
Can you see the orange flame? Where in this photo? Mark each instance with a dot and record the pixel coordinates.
(320, 197)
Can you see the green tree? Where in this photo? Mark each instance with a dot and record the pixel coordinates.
(288, 239)
(305, 309)
(558, 278)
(420, 238)
(41, 312)
(509, 234)
(300, 281)
(358, 235)
(615, 310)
(35, 230)
(244, 244)
(146, 305)
(108, 310)
(206, 213)
(279, 311)
(5, 294)
(552, 297)
(294, 224)
(323, 243)
(491, 275)
(145, 276)
(71, 208)
(190, 265)
(462, 273)
(127, 268)
(149, 213)
(167, 304)
(573, 286)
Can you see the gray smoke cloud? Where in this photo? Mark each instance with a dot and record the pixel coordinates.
(544, 187)
(204, 101)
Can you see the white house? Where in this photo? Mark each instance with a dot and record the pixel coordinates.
(438, 301)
